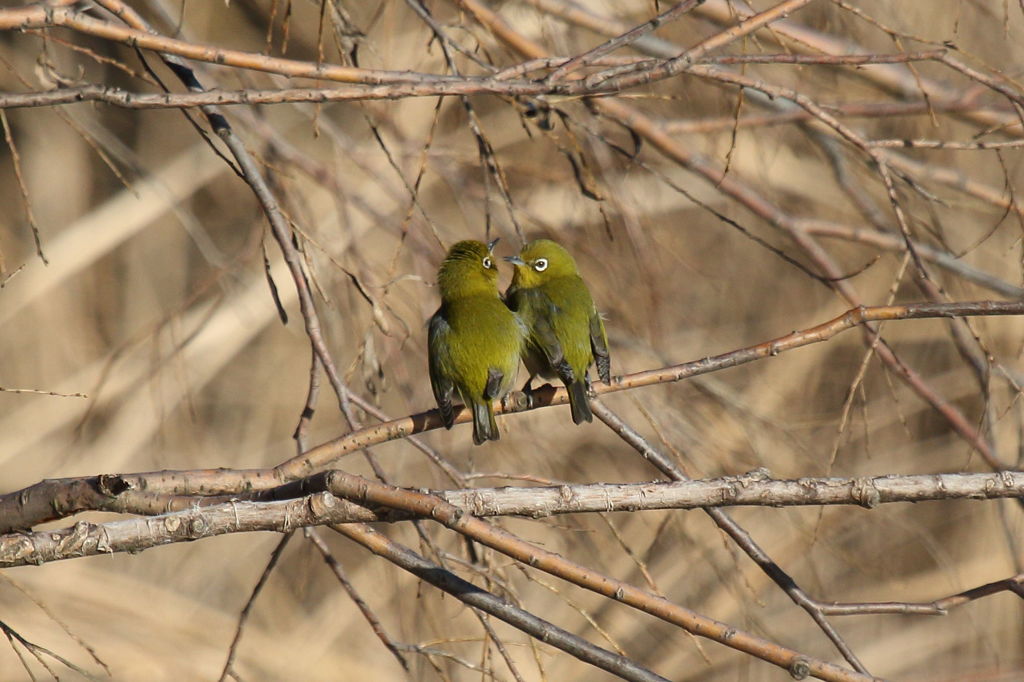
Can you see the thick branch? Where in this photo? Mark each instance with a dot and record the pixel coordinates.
(85, 539)
(317, 506)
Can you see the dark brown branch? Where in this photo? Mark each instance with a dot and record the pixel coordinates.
(478, 598)
(367, 492)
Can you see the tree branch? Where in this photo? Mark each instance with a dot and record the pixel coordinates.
(209, 517)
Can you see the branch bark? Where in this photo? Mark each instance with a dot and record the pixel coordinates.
(209, 517)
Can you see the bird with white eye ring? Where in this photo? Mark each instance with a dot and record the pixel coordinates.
(565, 332)
(474, 341)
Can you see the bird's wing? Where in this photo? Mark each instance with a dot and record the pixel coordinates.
(438, 358)
(599, 344)
(495, 378)
(542, 311)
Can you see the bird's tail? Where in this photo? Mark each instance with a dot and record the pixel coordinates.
(578, 402)
(484, 426)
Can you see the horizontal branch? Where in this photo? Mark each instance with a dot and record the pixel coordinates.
(826, 59)
(318, 506)
(753, 489)
(135, 100)
(381, 84)
(400, 85)
(41, 16)
(320, 456)
(136, 534)
(943, 144)
(57, 498)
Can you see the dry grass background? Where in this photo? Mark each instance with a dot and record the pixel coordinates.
(155, 304)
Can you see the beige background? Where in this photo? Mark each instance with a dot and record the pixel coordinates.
(155, 305)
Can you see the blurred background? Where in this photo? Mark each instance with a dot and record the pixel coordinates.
(155, 304)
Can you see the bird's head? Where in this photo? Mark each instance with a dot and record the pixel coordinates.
(539, 261)
(468, 269)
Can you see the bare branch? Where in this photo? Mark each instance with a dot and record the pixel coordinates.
(134, 492)
(209, 517)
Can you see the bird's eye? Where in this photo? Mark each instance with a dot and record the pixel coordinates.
(487, 262)
(540, 265)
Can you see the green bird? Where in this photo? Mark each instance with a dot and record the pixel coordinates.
(474, 341)
(566, 334)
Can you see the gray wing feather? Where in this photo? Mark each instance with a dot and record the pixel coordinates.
(437, 355)
(541, 311)
(599, 345)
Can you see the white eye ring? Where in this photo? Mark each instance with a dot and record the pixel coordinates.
(540, 265)
(487, 262)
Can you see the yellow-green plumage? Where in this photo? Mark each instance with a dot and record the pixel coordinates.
(566, 334)
(474, 341)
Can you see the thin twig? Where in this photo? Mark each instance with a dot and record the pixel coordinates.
(243, 617)
(360, 603)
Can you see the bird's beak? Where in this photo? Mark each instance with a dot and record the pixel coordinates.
(515, 260)
(490, 244)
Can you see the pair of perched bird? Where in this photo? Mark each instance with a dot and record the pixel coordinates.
(476, 339)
